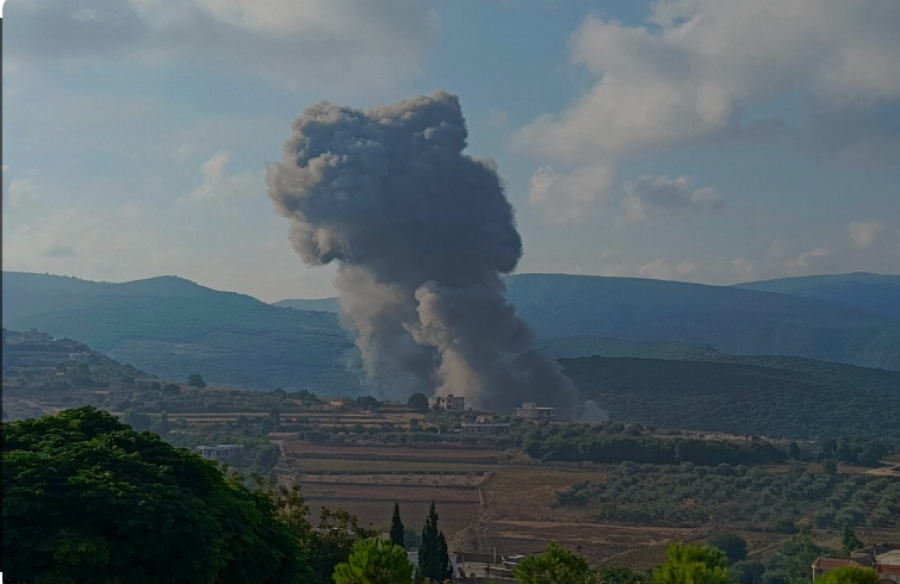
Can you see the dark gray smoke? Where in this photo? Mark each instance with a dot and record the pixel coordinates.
(422, 234)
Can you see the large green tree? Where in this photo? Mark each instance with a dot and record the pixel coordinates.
(849, 541)
(397, 527)
(326, 545)
(417, 402)
(375, 561)
(617, 575)
(196, 380)
(87, 500)
(850, 575)
(434, 561)
(693, 565)
(734, 546)
(555, 566)
(793, 560)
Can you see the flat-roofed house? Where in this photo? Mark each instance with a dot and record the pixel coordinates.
(449, 402)
(532, 411)
(883, 558)
(227, 453)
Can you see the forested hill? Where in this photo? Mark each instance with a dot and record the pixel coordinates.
(724, 318)
(875, 292)
(773, 396)
(173, 327)
(732, 320)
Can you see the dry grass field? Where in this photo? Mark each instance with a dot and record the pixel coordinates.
(425, 453)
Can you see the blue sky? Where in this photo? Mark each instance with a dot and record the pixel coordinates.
(713, 141)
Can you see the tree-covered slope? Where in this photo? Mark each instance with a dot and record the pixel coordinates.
(875, 292)
(773, 396)
(581, 315)
(731, 320)
(174, 327)
(589, 346)
(88, 499)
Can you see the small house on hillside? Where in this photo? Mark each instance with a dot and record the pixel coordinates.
(884, 558)
(224, 453)
(449, 402)
(30, 337)
(486, 425)
(532, 411)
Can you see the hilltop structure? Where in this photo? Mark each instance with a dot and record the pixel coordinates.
(532, 411)
(884, 558)
(226, 453)
(486, 425)
(449, 402)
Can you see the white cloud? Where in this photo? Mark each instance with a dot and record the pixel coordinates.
(865, 234)
(338, 42)
(19, 193)
(746, 269)
(660, 269)
(653, 199)
(870, 246)
(694, 70)
(813, 261)
(563, 198)
(102, 244)
(218, 185)
(130, 242)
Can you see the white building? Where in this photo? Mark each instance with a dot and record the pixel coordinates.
(532, 411)
(884, 558)
(227, 453)
(449, 402)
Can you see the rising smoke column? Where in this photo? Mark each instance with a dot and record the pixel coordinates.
(422, 234)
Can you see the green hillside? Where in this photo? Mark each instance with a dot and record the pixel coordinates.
(875, 292)
(174, 327)
(731, 320)
(589, 346)
(772, 396)
(578, 315)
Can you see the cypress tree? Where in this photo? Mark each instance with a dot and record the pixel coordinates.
(397, 527)
(434, 561)
(444, 567)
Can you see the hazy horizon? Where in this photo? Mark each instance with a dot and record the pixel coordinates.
(708, 142)
(517, 273)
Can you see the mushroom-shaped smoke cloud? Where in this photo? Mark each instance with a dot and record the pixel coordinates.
(422, 234)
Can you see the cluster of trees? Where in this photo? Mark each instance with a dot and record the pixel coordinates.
(690, 495)
(687, 564)
(44, 370)
(88, 499)
(859, 501)
(785, 397)
(612, 444)
(859, 451)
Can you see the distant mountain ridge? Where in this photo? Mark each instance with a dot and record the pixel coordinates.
(862, 290)
(875, 292)
(174, 327)
(732, 320)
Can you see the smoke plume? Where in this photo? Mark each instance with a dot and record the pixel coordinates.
(422, 234)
